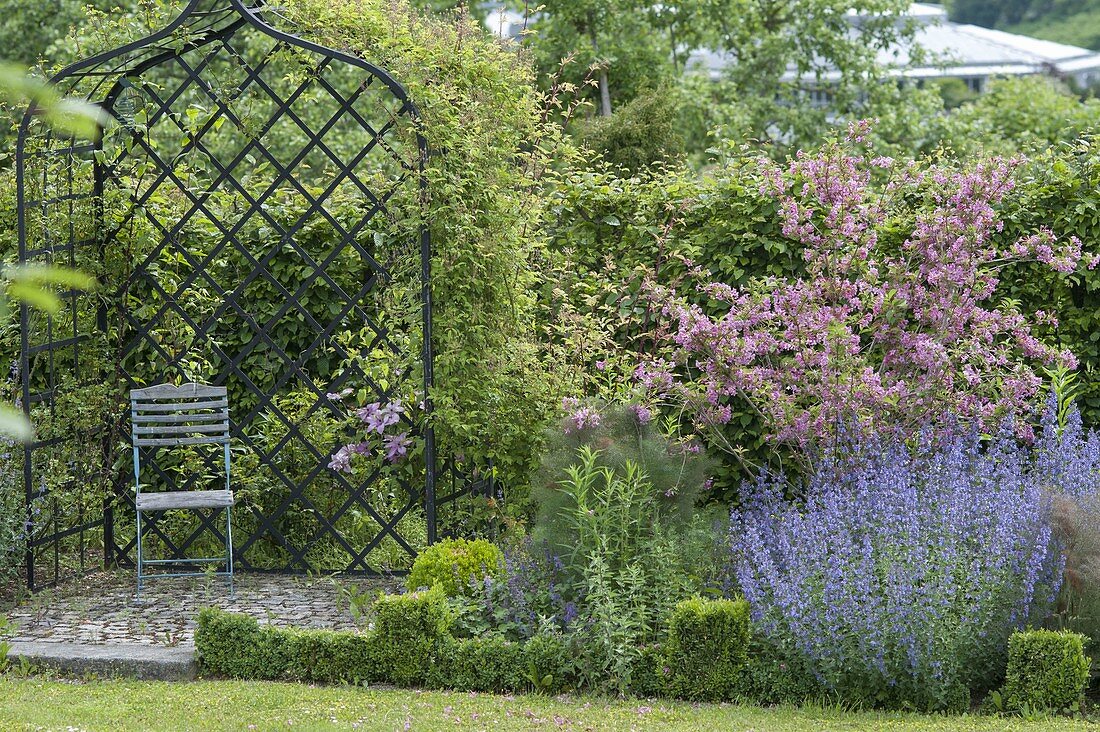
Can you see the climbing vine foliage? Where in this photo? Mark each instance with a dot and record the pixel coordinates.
(481, 117)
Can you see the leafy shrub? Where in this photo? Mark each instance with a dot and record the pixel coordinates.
(608, 586)
(625, 569)
(879, 333)
(1046, 670)
(649, 676)
(453, 564)
(547, 663)
(639, 134)
(407, 630)
(900, 578)
(527, 596)
(1058, 189)
(614, 436)
(772, 675)
(603, 233)
(706, 647)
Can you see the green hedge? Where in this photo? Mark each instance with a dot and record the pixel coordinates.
(321, 655)
(410, 645)
(1046, 670)
(1058, 190)
(490, 663)
(706, 648)
(407, 629)
(494, 664)
(710, 655)
(236, 645)
(613, 229)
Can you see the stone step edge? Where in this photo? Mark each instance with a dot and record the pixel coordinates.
(146, 663)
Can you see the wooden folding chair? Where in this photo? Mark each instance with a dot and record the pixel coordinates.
(171, 416)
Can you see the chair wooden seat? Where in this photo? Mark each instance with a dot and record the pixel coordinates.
(167, 500)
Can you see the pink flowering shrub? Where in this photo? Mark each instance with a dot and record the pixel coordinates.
(893, 323)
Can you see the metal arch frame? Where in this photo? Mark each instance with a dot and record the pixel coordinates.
(239, 14)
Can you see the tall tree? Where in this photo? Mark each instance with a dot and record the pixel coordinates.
(792, 65)
(789, 66)
(616, 43)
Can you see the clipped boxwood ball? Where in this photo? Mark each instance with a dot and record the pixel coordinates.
(453, 563)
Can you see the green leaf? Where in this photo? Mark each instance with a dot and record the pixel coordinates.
(77, 118)
(53, 275)
(74, 116)
(34, 296)
(15, 424)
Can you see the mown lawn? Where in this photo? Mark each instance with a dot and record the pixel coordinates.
(38, 704)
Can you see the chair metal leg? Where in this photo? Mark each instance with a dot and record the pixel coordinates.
(140, 557)
(137, 499)
(229, 547)
(228, 522)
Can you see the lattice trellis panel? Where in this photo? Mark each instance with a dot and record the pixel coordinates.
(257, 199)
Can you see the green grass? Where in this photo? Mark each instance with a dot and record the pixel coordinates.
(36, 704)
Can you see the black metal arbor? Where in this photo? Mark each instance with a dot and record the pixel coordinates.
(257, 198)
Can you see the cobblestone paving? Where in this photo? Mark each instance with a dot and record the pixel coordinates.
(102, 609)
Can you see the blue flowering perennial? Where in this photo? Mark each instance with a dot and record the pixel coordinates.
(902, 574)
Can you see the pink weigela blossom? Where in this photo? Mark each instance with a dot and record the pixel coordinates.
(889, 336)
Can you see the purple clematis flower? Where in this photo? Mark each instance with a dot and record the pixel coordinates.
(397, 446)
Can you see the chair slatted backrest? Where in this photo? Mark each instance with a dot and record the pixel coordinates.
(190, 414)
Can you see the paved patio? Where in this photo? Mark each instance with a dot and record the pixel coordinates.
(101, 609)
